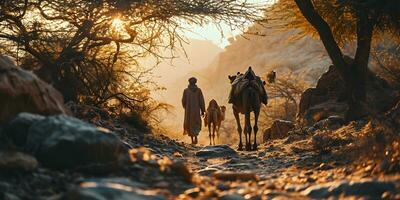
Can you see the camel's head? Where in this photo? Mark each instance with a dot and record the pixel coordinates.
(232, 78)
(250, 75)
(223, 109)
(271, 76)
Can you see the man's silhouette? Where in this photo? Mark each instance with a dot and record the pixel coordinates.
(193, 103)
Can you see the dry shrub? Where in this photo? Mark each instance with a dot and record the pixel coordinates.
(324, 142)
(373, 143)
(379, 143)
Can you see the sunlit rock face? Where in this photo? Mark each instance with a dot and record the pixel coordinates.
(22, 91)
(328, 98)
(279, 129)
(276, 50)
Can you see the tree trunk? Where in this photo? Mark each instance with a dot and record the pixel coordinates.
(357, 88)
(354, 73)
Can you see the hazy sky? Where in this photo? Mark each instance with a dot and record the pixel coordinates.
(211, 32)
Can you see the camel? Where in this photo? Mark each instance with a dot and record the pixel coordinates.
(215, 115)
(252, 94)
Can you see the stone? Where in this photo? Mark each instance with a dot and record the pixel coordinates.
(193, 192)
(231, 197)
(110, 189)
(180, 168)
(323, 111)
(22, 91)
(17, 129)
(278, 130)
(367, 188)
(233, 176)
(8, 196)
(64, 142)
(331, 123)
(328, 98)
(208, 171)
(17, 161)
(216, 151)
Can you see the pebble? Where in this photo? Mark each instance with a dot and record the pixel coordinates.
(231, 197)
(232, 176)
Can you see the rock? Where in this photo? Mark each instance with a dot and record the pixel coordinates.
(17, 129)
(8, 196)
(233, 176)
(322, 111)
(331, 123)
(368, 188)
(207, 171)
(22, 91)
(216, 151)
(223, 187)
(17, 161)
(110, 189)
(328, 98)
(193, 192)
(179, 168)
(64, 142)
(231, 197)
(278, 130)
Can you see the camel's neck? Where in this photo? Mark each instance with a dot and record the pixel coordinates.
(223, 115)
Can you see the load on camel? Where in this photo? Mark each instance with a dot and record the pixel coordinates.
(246, 95)
(215, 114)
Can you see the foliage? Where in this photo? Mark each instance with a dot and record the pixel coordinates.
(386, 60)
(284, 95)
(341, 17)
(89, 50)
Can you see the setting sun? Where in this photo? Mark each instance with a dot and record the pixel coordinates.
(118, 25)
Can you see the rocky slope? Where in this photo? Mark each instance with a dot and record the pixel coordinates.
(275, 50)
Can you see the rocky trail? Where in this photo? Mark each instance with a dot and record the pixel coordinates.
(160, 168)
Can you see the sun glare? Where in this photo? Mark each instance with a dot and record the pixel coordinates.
(118, 25)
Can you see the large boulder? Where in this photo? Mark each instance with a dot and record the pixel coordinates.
(278, 130)
(22, 91)
(11, 161)
(331, 123)
(17, 129)
(371, 189)
(328, 98)
(61, 141)
(111, 189)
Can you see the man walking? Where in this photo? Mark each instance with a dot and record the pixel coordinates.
(193, 103)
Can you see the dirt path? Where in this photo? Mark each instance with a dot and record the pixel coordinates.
(282, 169)
(160, 168)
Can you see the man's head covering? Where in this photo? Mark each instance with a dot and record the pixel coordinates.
(192, 80)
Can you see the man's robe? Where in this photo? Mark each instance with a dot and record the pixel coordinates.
(193, 103)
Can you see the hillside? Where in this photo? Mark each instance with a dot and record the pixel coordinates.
(275, 50)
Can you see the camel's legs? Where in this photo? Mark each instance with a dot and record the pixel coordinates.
(209, 132)
(247, 130)
(239, 129)
(214, 129)
(255, 128)
(218, 126)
